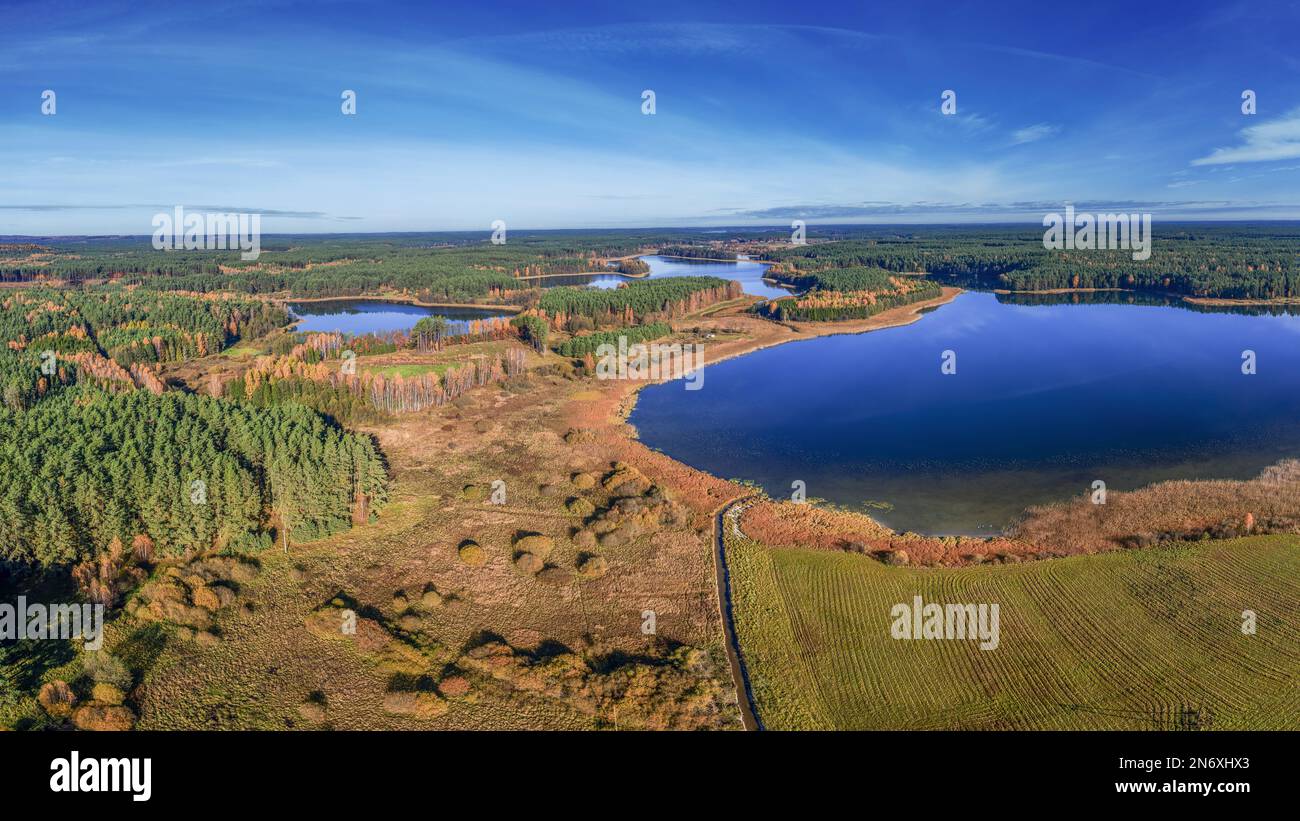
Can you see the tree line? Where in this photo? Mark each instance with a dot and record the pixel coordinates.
(695, 252)
(637, 302)
(110, 333)
(848, 293)
(1236, 262)
(588, 343)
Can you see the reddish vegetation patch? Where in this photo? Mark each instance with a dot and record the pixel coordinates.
(601, 437)
(785, 524)
(1168, 511)
(1164, 512)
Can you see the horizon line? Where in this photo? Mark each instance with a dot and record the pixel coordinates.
(720, 226)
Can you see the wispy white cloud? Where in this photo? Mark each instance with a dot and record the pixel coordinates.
(969, 122)
(1273, 140)
(1029, 210)
(1033, 133)
(753, 40)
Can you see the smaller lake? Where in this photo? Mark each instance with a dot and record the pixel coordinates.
(745, 271)
(370, 316)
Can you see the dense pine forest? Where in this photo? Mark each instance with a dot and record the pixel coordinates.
(94, 450)
(636, 302)
(696, 252)
(588, 343)
(848, 293)
(191, 473)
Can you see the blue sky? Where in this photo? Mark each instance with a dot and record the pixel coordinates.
(530, 112)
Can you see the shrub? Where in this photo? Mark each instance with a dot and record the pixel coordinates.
(56, 698)
(528, 564)
(540, 546)
(203, 596)
(471, 554)
(107, 694)
(417, 705)
(103, 717)
(532, 329)
(105, 668)
(579, 436)
(454, 687)
(625, 480)
(593, 567)
(242, 571)
(580, 507)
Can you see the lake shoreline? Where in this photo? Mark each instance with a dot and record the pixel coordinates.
(892, 318)
(609, 273)
(602, 412)
(1192, 300)
(400, 300)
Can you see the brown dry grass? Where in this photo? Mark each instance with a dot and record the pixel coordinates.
(1271, 501)
(785, 524)
(1167, 511)
(268, 661)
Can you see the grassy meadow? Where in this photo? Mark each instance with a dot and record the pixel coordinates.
(1106, 641)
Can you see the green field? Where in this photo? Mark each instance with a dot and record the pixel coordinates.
(242, 351)
(408, 369)
(1089, 642)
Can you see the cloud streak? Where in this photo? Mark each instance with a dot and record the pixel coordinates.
(1273, 140)
(1003, 211)
(1034, 133)
(216, 209)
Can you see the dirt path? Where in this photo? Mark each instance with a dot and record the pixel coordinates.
(739, 675)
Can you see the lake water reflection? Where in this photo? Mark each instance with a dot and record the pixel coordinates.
(366, 316)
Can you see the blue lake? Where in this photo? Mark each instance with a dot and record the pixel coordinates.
(366, 316)
(1045, 400)
(747, 272)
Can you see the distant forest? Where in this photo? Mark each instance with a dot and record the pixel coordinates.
(1239, 261)
(1231, 262)
(435, 268)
